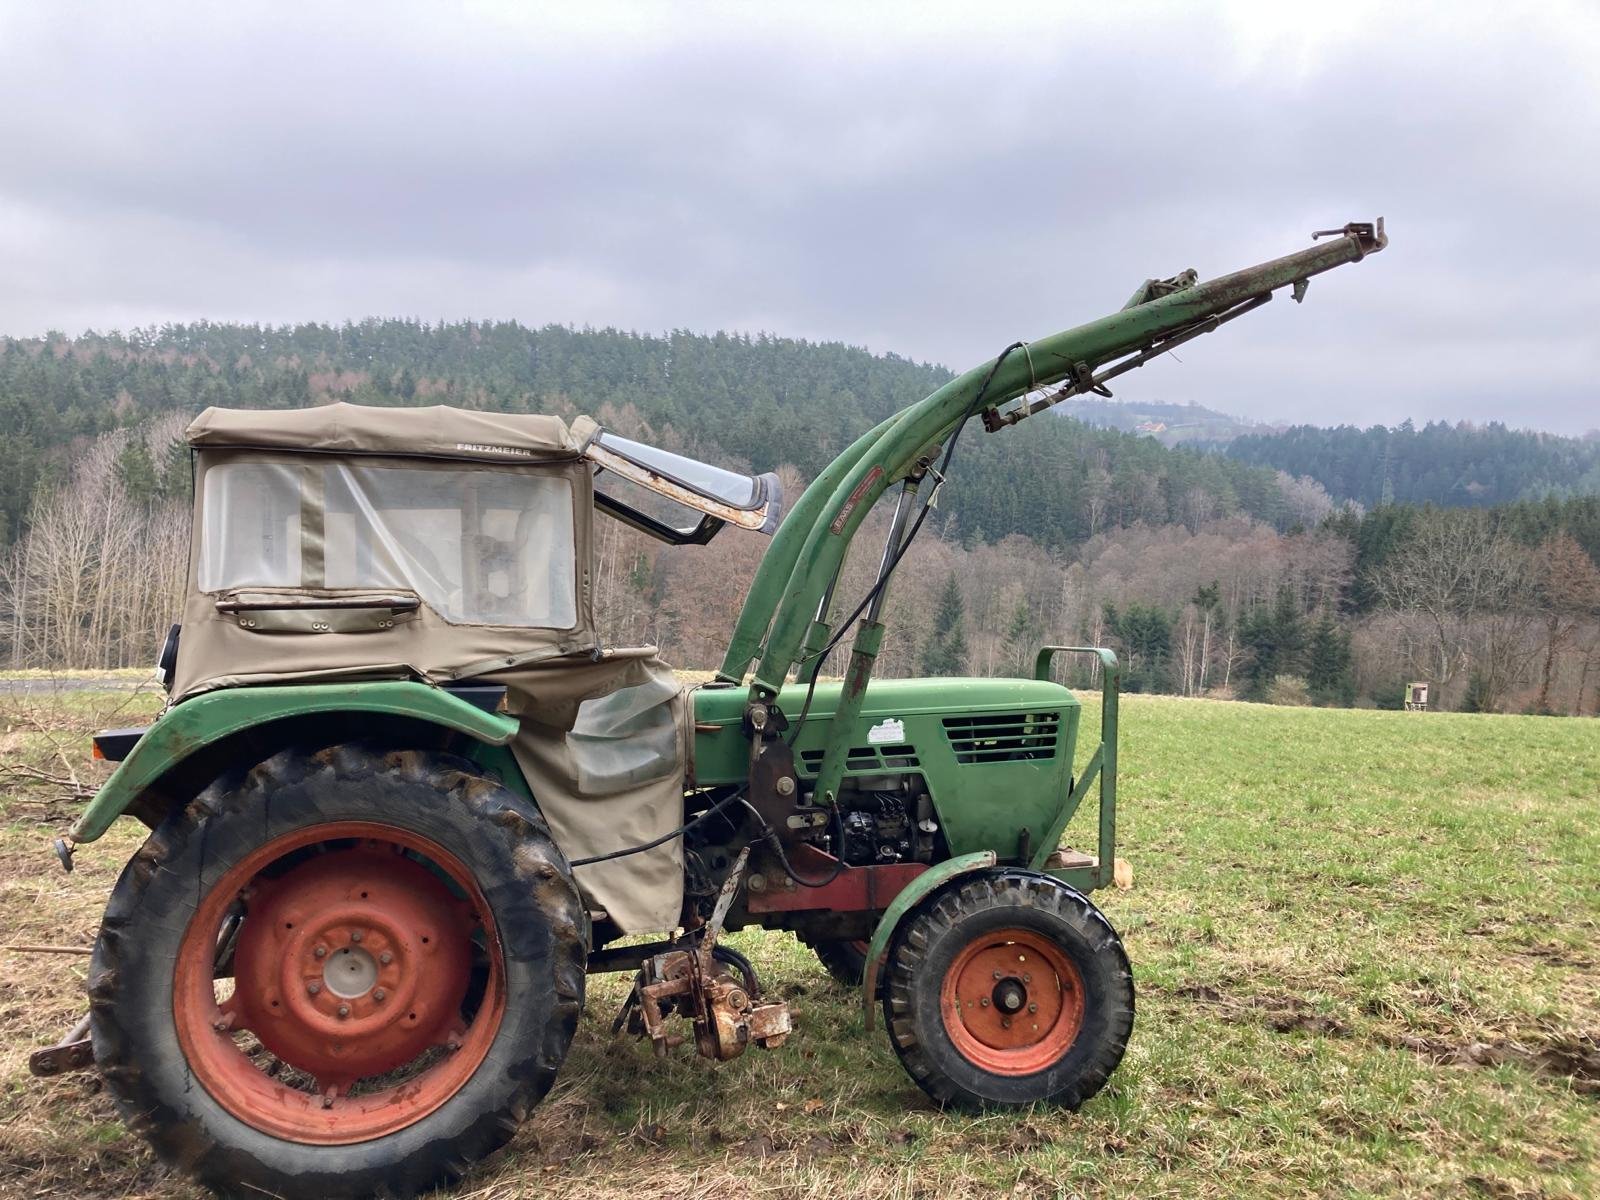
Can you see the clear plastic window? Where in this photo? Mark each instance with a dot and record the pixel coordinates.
(625, 739)
(479, 547)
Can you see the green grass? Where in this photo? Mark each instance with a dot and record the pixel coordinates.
(1367, 948)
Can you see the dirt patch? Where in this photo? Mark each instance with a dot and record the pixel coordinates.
(1555, 954)
(1572, 1058)
(1278, 1011)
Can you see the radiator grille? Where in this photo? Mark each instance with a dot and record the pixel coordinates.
(866, 758)
(1003, 737)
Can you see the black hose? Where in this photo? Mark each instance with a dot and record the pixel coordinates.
(905, 542)
(665, 837)
(770, 836)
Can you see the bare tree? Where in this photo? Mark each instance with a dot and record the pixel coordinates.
(1567, 593)
(1457, 572)
(97, 577)
(1307, 500)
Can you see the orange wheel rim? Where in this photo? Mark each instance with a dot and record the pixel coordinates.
(1012, 1002)
(351, 966)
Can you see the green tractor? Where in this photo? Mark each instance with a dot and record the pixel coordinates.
(404, 799)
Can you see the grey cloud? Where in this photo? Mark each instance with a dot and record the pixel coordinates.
(936, 192)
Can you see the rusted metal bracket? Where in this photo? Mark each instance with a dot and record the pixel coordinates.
(74, 1052)
(1368, 235)
(691, 983)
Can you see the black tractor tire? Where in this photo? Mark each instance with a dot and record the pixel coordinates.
(970, 915)
(516, 866)
(844, 959)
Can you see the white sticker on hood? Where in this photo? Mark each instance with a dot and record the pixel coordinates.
(886, 730)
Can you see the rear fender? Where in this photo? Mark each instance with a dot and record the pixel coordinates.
(913, 894)
(190, 727)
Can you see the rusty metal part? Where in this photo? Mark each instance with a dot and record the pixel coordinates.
(851, 889)
(690, 983)
(730, 889)
(74, 1052)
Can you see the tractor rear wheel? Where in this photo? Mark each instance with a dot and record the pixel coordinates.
(1008, 988)
(343, 973)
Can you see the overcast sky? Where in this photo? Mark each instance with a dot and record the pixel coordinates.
(934, 181)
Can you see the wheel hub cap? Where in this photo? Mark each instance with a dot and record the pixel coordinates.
(352, 964)
(350, 973)
(1012, 1002)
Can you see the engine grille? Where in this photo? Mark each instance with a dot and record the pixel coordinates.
(1004, 737)
(865, 758)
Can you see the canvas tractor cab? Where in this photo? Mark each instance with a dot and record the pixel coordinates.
(405, 797)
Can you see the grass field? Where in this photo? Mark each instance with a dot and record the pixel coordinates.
(1367, 948)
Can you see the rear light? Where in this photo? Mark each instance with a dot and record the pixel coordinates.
(114, 745)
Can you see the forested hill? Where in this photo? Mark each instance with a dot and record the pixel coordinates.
(762, 401)
(1449, 465)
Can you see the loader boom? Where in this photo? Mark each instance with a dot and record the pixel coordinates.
(784, 618)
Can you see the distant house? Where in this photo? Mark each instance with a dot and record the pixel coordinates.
(1151, 427)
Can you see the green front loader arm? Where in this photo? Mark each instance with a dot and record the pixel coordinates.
(208, 718)
(801, 566)
(894, 445)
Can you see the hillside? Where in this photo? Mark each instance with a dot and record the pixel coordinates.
(1211, 575)
(762, 401)
(1462, 465)
(1169, 424)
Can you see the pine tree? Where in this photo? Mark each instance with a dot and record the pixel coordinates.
(1144, 635)
(1020, 637)
(946, 651)
(1328, 669)
(137, 471)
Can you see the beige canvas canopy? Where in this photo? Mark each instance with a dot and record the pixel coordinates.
(436, 432)
(438, 544)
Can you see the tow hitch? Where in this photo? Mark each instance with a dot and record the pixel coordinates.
(74, 1052)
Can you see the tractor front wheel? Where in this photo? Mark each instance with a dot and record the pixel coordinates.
(1009, 988)
(844, 959)
(343, 973)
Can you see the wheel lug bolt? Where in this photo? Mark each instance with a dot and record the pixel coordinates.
(344, 1010)
(1026, 978)
(380, 995)
(1033, 1008)
(313, 988)
(983, 1003)
(321, 952)
(1005, 1023)
(997, 976)
(386, 958)
(356, 936)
